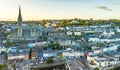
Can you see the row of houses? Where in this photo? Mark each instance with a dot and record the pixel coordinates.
(102, 61)
(102, 40)
(38, 53)
(107, 49)
(91, 29)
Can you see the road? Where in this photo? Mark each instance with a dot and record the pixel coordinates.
(75, 65)
(1, 58)
(84, 62)
(23, 65)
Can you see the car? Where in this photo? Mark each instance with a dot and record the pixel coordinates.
(30, 64)
(41, 62)
(36, 63)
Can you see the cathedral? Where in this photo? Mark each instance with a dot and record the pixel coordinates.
(22, 32)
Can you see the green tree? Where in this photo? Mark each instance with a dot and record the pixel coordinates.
(14, 66)
(49, 60)
(30, 53)
(0, 66)
(5, 56)
(43, 38)
(3, 67)
(89, 48)
(96, 68)
(55, 46)
(99, 44)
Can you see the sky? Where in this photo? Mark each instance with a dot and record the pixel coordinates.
(60, 9)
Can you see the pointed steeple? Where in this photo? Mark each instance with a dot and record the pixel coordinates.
(19, 16)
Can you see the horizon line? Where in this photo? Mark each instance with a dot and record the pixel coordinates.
(63, 19)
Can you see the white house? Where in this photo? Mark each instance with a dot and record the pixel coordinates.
(69, 33)
(91, 56)
(110, 33)
(103, 40)
(71, 54)
(2, 49)
(101, 62)
(117, 29)
(49, 54)
(77, 33)
(111, 48)
(65, 42)
(93, 39)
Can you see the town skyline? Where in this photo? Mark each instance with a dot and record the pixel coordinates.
(59, 9)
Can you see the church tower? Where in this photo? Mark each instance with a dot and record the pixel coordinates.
(19, 17)
(19, 23)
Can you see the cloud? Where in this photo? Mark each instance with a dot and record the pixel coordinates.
(104, 8)
(117, 3)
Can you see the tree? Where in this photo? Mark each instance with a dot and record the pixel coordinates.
(5, 56)
(96, 68)
(1, 25)
(43, 22)
(10, 43)
(89, 48)
(14, 66)
(55, 46)
(3, 67)
(45, 47)
(99, 44)
(43, 38)
(30, 53)
(49, 60)
(0, 66)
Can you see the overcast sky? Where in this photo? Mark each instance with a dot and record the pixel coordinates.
(60, 9)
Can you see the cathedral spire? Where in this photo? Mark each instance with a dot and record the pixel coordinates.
(19, 16)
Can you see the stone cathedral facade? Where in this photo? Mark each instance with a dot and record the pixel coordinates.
(22, 32)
